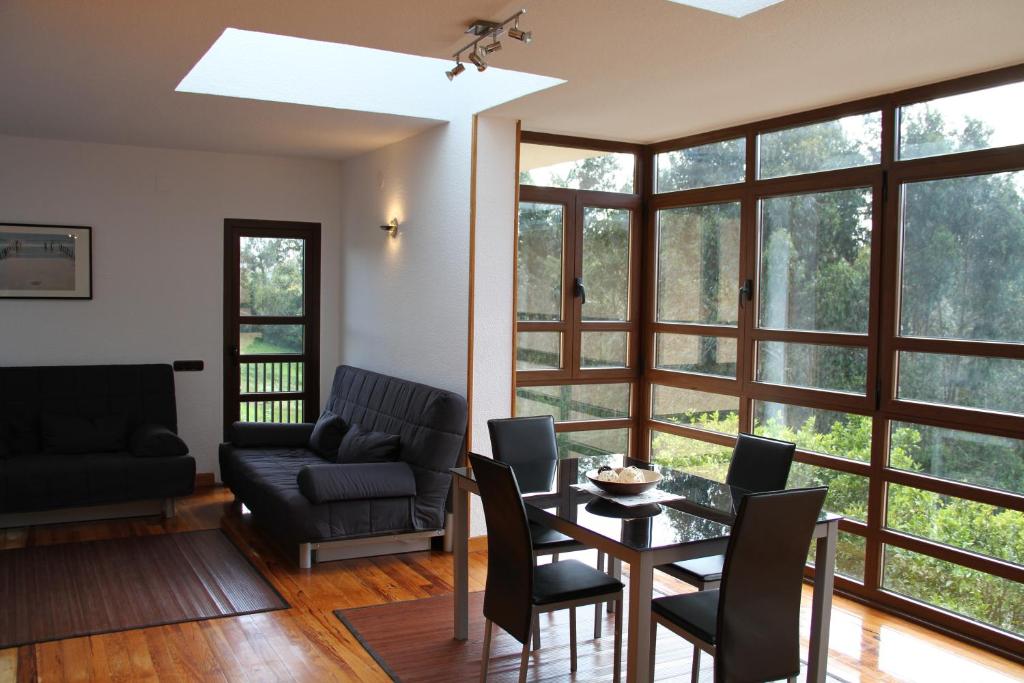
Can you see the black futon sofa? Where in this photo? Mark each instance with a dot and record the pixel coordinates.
(347, 510)
(87, 436)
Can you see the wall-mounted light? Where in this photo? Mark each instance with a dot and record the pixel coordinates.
(391, 227)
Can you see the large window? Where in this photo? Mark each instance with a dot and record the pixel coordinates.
(851, 280)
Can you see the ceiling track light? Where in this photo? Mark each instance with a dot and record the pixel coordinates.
(477, 53)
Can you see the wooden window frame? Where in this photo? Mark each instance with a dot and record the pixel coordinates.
(881, 341)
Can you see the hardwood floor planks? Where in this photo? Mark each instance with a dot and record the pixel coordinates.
(307, 643)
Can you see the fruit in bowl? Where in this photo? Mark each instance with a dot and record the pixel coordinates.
(624, 481)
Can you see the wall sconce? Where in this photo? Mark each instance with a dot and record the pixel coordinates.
(391, 227)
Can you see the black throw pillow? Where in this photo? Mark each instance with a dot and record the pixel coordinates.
(360, 445)
(69, 434)
(156, 441)
(327, 434)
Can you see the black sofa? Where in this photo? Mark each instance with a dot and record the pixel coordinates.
(302, 498)
(87, 436)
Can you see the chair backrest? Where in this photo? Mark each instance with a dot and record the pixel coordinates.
(509, 591)
(760, 464)
(759, 602)
(528, 445)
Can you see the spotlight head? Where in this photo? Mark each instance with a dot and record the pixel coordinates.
(525, 36)
(455, 71)
(492, 48)
(477, 58)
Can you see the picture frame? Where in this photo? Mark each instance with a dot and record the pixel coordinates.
(45, 261)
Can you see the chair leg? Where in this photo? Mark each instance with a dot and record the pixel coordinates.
(695, 671)
(524, 661)
(572, 639)
(597, 607)
(554, 557)
(654, 643)
(618, 641)
(615, 571)
(486, 658)
(536, 631)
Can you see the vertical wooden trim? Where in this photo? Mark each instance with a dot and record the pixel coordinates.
(515, 273)
(471, 317)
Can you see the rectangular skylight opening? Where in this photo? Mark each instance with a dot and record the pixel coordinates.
(266, 66)
(732, 8)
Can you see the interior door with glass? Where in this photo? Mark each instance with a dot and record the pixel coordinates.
(271, 321)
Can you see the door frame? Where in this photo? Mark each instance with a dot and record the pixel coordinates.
(234, 230)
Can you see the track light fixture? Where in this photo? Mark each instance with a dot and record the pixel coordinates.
(477, 53)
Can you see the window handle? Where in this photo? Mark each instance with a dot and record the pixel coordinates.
(579, 290)
(747, 291)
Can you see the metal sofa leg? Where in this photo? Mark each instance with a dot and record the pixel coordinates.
(305, 555)
(168, 508)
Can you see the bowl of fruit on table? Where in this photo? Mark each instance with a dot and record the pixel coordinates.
(624, 481)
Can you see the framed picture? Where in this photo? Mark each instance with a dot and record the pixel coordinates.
(45, 261)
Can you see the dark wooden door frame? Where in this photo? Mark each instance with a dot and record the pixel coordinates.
(234, 229)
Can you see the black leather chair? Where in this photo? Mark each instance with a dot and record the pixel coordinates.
(517, 589)
(758, 464)
(528, 445)
(751, 625)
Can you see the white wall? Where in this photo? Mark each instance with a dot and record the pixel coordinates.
(158, 231)
(405, 300)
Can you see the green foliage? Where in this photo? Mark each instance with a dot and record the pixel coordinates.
(272, 284)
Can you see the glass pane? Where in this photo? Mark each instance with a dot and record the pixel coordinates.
(699, 354)
(815, 261)
(974, 594)
(539, 261)
(606, 263)
(993, 117)
(271, 411)
(271, 377)
(962, 249)
(836, 368)
(698, 264)
(718, 163)
(822, 431)
(966, 524)
(271, 275)
(847, 493)
(690, 455)
(538, 350)
(592, 446)
(573, 402)
(576, 169)
(714, 412)
(849, 556)
(993, 461)
(965, 381)
(842, 143)
(270, 339)
(604, 349)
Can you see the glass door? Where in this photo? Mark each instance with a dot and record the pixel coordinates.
(271, 321)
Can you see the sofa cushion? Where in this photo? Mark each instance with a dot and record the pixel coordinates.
(363, 446)
(18, 429)
(323, 483)
(41, 482)
(266, 480)
(269, 434)
(156, 441)
(327, 435)
(70, 434)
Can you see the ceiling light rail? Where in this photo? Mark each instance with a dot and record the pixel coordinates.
(477, 53)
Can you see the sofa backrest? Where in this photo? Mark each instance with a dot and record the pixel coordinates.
(431, 423)
(142, 393)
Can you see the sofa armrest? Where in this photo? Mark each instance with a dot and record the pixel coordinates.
(254, 434)
(156, 441)
(355, 481)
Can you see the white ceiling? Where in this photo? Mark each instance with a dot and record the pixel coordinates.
(638, 70)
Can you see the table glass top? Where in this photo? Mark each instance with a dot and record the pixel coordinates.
(703, 512)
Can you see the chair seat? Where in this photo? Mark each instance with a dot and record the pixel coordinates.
(570, 580)
(546, 538)
(697, 570)
(696, 613)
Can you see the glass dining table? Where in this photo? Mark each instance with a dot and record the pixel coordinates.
(695, 524)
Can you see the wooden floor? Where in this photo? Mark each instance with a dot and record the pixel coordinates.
(307, 642)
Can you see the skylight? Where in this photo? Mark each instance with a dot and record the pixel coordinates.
(732, 8)
(265, 66)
